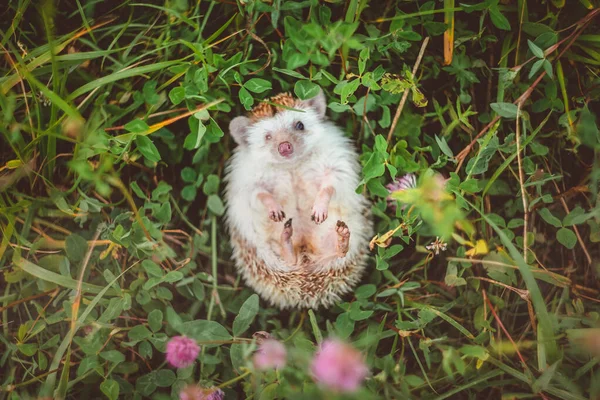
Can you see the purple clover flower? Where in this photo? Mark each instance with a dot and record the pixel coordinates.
(182, 351)
(339, 366)
(408, 181)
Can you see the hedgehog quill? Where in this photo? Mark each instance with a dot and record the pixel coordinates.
(299, 231)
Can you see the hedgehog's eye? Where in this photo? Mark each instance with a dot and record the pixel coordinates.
(299, 126)
(268, 136)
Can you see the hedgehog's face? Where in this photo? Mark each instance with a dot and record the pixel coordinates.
(284, 137)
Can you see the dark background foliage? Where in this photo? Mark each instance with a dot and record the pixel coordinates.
(112, 152)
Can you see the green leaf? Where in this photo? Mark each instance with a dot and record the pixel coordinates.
(139, 332)
(246, 315)
(173, 276)
(188, 175)
(344, 325)
(149, 93)
(395, 84)
(306, 89)
(269, 392)
(315, 326)
(548, 68)
(146, 384)
(362, 60)
(418, 98)
(258, 85)
(480, 163)
(110, 388)
(152, 269)
(145, 349)
(211, 186)
(113, 356)
(136, 126)
(475, 351)
(215, 204)
(189, 193)
(498, 19)
(348, 90)
(587, 130)
(374, 168)
(414, 380)
(204, 331)
(88, 363)
(289, 72)
(357, 314)
(566, 237)
(214, 132)
(470, 186)
(75, 247)
(535, 68)
(173, 319)
(549, 218)
(505, 110)
(376, 187)
(177, 95)
(194, 139)
(365, 291)
(165, 378)
(539, 53)
(155, 319)
(541, 384)
(246, 98)
(443, 145)
(28, 349)
(381, 264)
(575, 217)
(147, 148)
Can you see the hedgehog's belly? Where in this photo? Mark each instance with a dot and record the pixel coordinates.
(303, 288)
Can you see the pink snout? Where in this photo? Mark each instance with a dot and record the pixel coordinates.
(286, 149)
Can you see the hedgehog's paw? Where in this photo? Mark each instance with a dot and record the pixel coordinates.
(288, 231)
(276, 213)
(343, 239)
(287, 245)
(319, 213)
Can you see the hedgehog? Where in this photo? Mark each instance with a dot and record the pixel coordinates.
(299, 231)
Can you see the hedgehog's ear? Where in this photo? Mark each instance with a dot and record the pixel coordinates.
(318, 103)
(238, 128)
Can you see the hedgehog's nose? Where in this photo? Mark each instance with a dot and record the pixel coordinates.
(286, 149)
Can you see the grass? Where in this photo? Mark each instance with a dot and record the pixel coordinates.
(113, 146)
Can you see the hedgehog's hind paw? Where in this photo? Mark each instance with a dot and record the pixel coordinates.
(287, 245)
(343, 239)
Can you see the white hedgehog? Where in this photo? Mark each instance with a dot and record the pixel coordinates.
(299, 231)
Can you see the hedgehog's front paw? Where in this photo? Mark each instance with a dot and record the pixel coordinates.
(319, 213)
(276, 214)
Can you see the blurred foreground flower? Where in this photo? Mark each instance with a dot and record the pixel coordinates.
(433, 202)
(182, 351)
(408, 181)
(271, 354)
(339, 366)
(193, 392)
(588, 339)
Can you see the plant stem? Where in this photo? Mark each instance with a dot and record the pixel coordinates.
(405, 95)
(521, 183)
(234, 380)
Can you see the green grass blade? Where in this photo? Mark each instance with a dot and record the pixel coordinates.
(123, 74)
(546, 338)
(53, 277)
